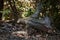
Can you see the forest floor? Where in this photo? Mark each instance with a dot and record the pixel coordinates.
(17, 32)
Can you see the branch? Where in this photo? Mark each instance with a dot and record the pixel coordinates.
(38, 10)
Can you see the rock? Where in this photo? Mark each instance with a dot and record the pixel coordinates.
(20, 34)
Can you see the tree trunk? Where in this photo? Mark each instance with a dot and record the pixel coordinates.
(15, 11)
(1, 8)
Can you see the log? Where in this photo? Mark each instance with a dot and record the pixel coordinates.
(36, 23)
